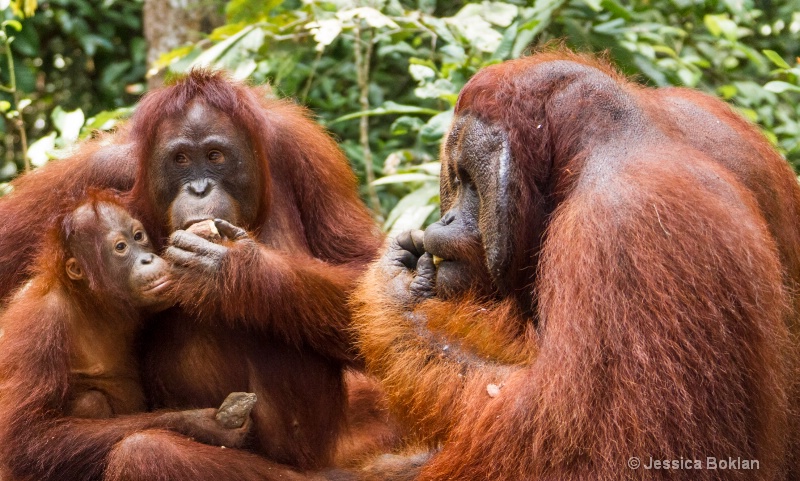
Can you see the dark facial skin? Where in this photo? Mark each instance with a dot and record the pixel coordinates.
(203, 167)
(467, 251)
(455, 243)
(131, 267)
(468, 244)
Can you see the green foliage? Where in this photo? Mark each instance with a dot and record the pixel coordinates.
(422, 52)
(419, 58)
(383, 75)
(79, 56)
(69, 127)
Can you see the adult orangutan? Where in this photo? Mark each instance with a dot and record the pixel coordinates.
(261, 308)
(613, 281)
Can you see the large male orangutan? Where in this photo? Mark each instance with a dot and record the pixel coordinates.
(613, 284)
(260, 305)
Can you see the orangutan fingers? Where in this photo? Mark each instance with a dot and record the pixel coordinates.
(194, 243)
(407, 259)
(187, 259)
(229, 230)
(423, 284)
(412, 241)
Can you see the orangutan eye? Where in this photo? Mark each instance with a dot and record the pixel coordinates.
(216, 157)
(181, 159)
(138, 236)
(120, 246)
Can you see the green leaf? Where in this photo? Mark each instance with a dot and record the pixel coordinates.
(208, 57)
(507, 43)
(106, 120)
(229, 29)
(388, 108)
(433, 131)
(440, 89)
(16, 25)
(616, 9)
(771, 137)
(325, 31)
(113, 72)
(720, 25)
(727, 91)
(167, 58)
(423, 61)
(8, 171)
(249, 10)
(27, 42)
(405, 178)
(406, 124)
(613, 27)
(92, 43)
(433, 168)
(593, 4)
(663, 49)
(421, 73)
(646, 66)
(777, 87)
(501, 14)
(751, 54)
(453, 54)
(371, 16)
(535, 23)
(441, 27)
(776, 58)
(238, 59)
(750, 114)
(688, 77)
(68, 123)
(471, 25)
(183, 63)
(39, 152)
(413, 209)
(412, 218)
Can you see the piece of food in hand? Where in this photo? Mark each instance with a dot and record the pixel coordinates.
(235, 408)
(205, 229)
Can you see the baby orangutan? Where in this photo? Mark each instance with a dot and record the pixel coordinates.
(69, 376)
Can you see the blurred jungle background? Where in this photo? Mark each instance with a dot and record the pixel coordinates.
(382, 75)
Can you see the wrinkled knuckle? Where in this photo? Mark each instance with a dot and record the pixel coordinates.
(392, 255)
(395, 262)
(179, 238)
(393, 246)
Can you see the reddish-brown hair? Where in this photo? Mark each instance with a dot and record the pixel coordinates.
(656, 233)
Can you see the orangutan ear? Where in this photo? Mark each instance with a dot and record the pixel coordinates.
(74, 270)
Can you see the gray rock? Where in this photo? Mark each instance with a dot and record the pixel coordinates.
(235, 408)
